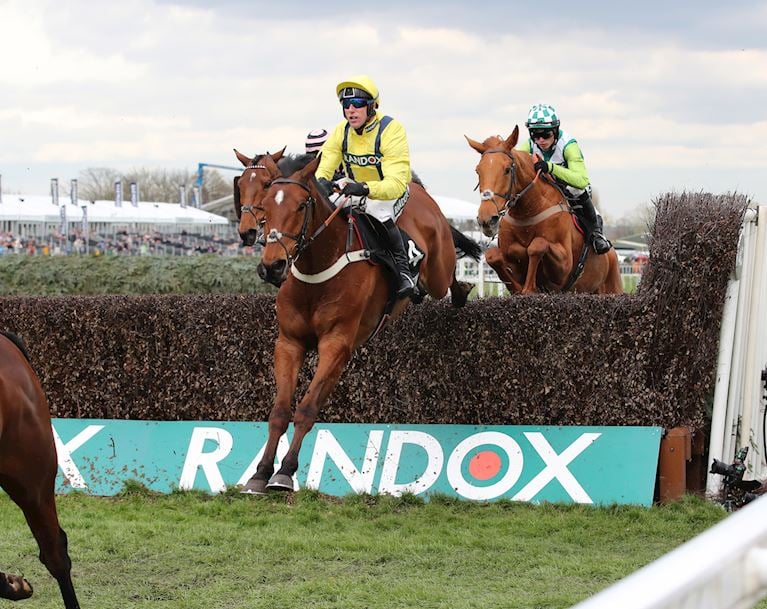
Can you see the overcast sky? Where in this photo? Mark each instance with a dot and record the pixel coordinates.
(660, 97)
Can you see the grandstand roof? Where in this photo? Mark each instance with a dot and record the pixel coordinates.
(454, 209)
(39, 208)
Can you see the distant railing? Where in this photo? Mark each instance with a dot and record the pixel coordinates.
(490, 285)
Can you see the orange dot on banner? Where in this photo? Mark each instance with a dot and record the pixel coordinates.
(485, 465)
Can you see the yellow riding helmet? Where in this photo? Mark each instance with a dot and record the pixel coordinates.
(361, 82)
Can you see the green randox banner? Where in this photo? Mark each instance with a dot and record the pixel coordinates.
(602, 465)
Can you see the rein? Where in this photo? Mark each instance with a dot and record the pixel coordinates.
(302, 242)
(511, 198)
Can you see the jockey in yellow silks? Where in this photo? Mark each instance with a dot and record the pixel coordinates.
(373, 151)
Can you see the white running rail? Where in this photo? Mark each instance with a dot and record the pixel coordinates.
(723, 568)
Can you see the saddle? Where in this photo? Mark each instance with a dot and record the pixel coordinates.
(372, 234)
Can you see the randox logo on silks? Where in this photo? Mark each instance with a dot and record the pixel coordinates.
(362, 160)
(601, 465)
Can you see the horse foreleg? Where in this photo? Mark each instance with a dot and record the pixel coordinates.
(536, 250)
(334, 353)
(495, 258)
(288, 358)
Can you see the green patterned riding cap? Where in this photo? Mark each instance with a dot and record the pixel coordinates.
(542, 116)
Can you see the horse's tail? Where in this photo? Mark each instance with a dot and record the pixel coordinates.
(464, 246)
(16, 340)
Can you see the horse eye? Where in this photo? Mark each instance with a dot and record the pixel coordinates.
(267, 184)
(507, 170)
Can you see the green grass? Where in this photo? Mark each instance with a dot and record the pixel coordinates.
(191, 550)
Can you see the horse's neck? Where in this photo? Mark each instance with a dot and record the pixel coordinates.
(539, 196)
(328, 246)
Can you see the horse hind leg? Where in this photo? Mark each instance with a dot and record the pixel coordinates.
(39, 509)
(459, 292)
(54, 553)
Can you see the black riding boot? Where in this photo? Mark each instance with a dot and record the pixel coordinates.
(406, 281)
(594, 224)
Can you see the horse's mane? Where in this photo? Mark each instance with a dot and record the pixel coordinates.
(290, 163)
(16, 340)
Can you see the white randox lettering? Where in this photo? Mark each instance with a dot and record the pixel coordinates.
(556, 467)
(208, 462)
(422, 483)
(360, 480)
(64, 454)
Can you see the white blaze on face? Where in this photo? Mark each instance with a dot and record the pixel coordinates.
(279, 197)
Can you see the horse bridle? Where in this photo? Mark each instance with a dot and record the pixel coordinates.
(251, 207)
(302, 242)
(510, 198)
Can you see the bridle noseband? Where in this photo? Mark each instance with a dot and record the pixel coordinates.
(510, 199)
(302, 242)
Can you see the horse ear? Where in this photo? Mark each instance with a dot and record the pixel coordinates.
(242, 158)
(512, 140)
(278, 155)
(481, 148)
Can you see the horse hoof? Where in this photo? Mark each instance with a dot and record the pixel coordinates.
(280, 482)
(460, 295)
(14, 588)
(254, 487)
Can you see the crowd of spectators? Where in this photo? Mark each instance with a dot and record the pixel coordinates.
(123, 243)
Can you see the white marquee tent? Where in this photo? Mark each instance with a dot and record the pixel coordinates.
(35, 215)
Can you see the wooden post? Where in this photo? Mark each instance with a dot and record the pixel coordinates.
(675, 452)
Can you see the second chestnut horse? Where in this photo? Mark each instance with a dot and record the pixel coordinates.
(538, 243)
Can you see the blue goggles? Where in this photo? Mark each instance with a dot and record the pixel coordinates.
(357, 102)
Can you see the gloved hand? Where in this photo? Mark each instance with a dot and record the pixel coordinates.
(326, 185)
(356, 189)
(542, 166)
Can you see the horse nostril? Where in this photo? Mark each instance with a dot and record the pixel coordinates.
(494, 221)
(249, 237)
(279, 267)
(262, 272)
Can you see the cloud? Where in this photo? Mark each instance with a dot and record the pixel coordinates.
(174, 84)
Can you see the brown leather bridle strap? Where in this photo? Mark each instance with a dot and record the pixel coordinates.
(510, 198)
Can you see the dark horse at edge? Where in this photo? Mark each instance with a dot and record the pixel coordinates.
(28, 468)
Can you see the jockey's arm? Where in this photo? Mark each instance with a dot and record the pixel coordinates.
(395, 164)
(331, 156)
(575, 173)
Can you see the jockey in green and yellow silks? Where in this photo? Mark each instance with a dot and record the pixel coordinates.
(560, 156)
(373, 151)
